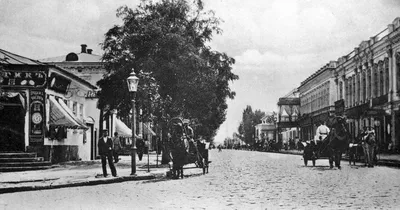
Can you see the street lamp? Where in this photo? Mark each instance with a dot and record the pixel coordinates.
(133, 82)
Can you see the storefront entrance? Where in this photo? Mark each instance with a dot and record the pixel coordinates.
(12, 121)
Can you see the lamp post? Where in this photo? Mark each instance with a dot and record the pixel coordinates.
(133, 82)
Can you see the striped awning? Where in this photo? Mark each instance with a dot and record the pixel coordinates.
(62, 116)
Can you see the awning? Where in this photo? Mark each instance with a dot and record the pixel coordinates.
(122, 129)
(62, 116)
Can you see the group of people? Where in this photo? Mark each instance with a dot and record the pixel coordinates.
(366, 138)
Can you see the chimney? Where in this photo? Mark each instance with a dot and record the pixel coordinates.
(83, 48)
(89, 51)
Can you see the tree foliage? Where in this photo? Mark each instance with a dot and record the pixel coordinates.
(165, 42)
(249, 120)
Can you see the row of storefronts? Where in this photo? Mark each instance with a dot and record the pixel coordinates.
(363, 86)
(50, 107)
(36, 112)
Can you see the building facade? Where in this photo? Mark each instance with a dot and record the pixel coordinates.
(90, 67)
(317, 100)
(34, 115)
(367, 81)
(289, 111)
(267, 128)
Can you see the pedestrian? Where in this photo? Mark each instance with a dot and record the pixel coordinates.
(106, 152)
(117, 147)
(140, 148)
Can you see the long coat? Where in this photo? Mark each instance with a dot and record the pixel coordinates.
(105, 147)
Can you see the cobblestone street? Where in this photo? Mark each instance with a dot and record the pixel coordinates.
(237, 180)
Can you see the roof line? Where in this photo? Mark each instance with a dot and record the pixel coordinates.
(7, 52)
(74, 76)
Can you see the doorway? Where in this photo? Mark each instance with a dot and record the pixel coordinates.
(12, 123)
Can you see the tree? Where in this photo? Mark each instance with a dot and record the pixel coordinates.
(165, 43)
(249, 120)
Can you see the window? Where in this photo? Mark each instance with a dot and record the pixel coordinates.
(341, 90)
(375, 83)
(358, 88)
(81, 111)
(381, 84)
(369, 84)
(364, 88)
(386, 66)
(75, 108)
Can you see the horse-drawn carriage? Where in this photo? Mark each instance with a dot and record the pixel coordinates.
(331, 147)
(183, 149)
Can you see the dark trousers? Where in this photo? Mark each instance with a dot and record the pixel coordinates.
(104, 159)
(140, 153)
(115, 154)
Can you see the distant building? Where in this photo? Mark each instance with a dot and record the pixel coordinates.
(289, 111)
(267, 128)
(317, 100)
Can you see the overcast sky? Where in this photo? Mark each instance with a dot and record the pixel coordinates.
(276, 43)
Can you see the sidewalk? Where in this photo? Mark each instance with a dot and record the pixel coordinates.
(80, 173)
(391, 160)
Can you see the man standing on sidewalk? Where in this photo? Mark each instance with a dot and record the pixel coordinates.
(106, 152)
(117, 147)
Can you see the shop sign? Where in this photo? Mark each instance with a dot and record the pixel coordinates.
(91, 94)
(36, 115)
(29, 79)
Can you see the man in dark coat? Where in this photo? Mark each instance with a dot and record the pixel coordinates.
(140, 148)
(106, 152)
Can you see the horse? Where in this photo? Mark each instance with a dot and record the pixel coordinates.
(337, 141)
(184, 150)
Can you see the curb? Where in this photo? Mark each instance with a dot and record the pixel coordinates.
(78, 184)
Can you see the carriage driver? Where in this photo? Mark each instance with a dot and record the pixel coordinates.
(190, 135)
(322, 132)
